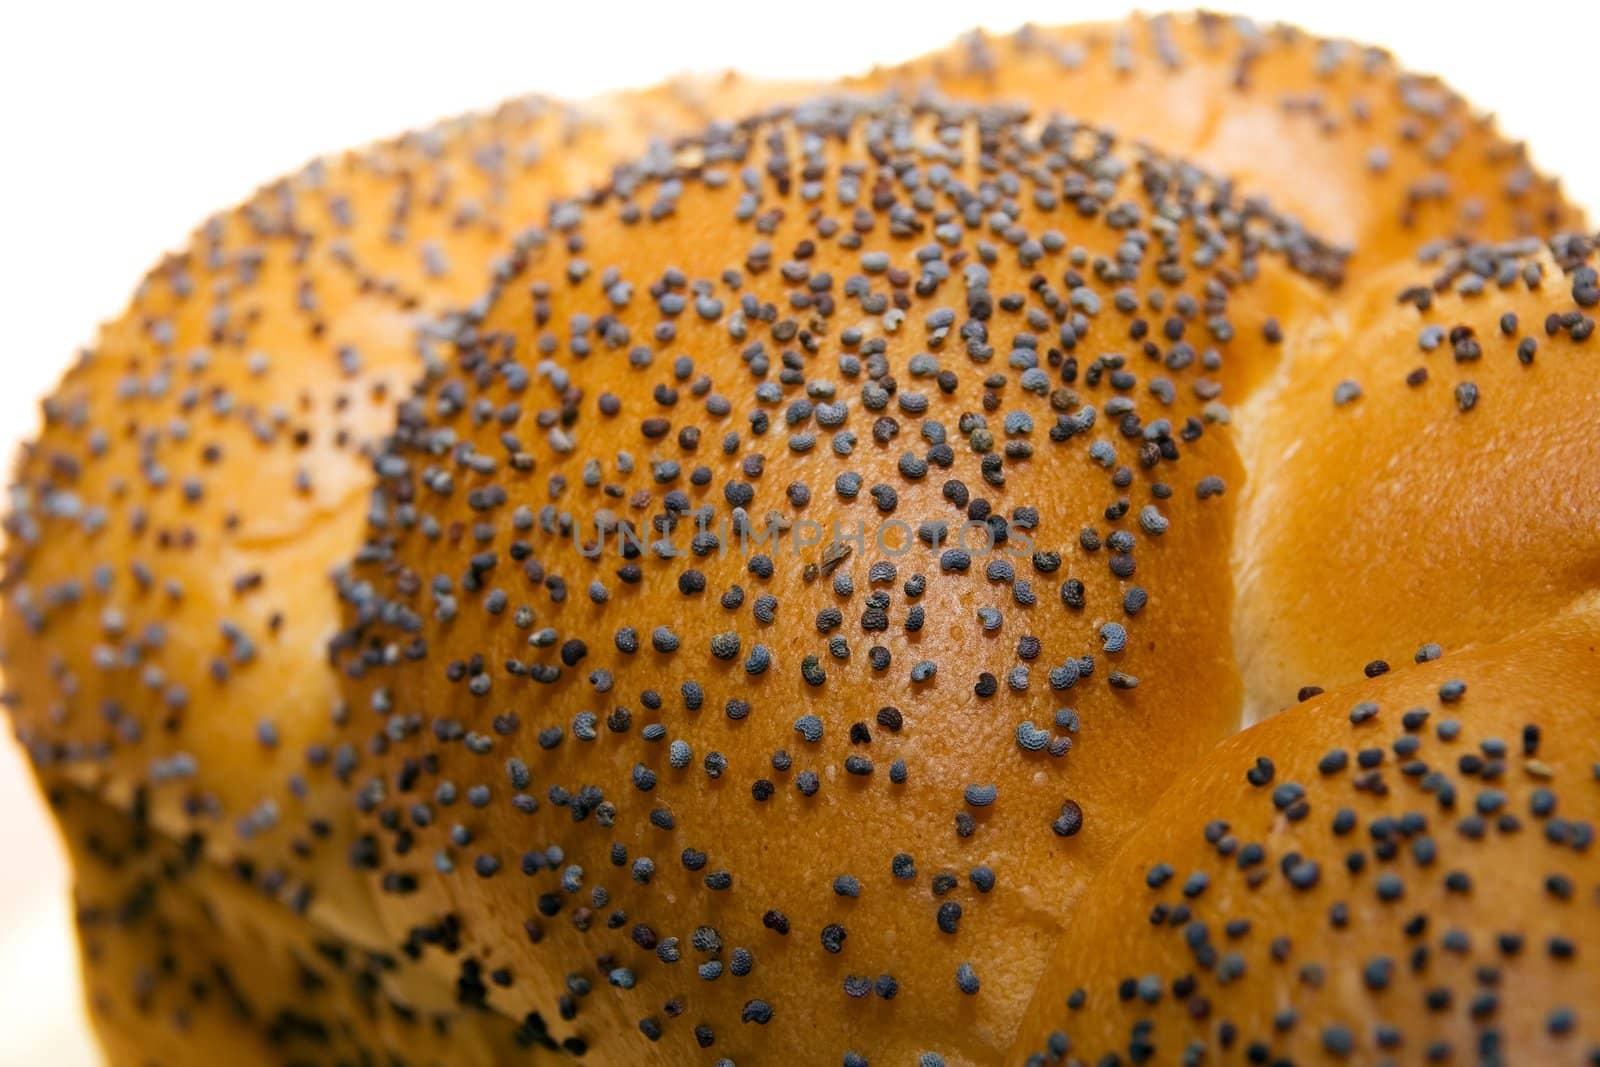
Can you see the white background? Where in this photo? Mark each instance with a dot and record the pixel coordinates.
(124, 124)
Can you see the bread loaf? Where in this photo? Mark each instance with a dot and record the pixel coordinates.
(596, 582)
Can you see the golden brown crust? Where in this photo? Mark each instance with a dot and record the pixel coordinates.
(1333, 132)
(1410, 877)
(854, 316)
(1425, 469)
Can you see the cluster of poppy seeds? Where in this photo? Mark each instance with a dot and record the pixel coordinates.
(1410, 158)
(183, 958)
(585, 612)
(1477, 272)
(766, 582)
(1348, 904)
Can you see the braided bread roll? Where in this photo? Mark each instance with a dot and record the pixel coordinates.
(167, 601)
